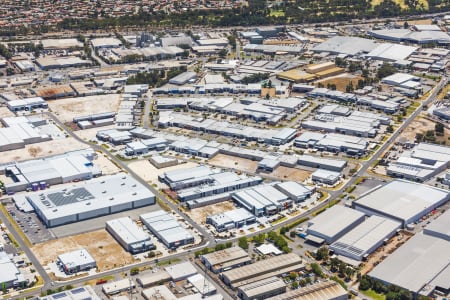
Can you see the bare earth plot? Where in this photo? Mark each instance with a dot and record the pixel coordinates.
(67, 109)
(291, 174)
(43, 149)
(100, 244)
(199, 214)
(5, 112)
(89, 134)
(106, 165)
(227, 161)
(422, 125)
(341, 81)
(145, 170)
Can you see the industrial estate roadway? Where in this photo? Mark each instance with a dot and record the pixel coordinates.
(208, 240)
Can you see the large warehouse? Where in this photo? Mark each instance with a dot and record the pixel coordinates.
(401, 200)
(225, 259)
(76, 261)
(90, 199)
(333, 223)
(31, 174)
(327, 290)
(421, 265)
(129, 235)
(273, 266)
(366, 237)
(167, 229)
(262, 289)
(262, 200)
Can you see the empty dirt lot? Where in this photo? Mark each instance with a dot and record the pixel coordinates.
(293, 174)
(227, 161)
(149, 173)
(67, 109)
(43, 149)
(341, 81)
(199, 214)
(100, 244)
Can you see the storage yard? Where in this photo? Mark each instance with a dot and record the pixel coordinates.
(67, 109)
(228, 161)
(100, 244)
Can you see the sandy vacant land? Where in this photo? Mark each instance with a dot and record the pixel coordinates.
(106, 165)
(149, 173)
(5, 112)
(199, 214)
(100, 244)
(419, 125)
(341, 81)
(43, 149)
(67, 109)
(227, 161)
(291, 174)
(89, 134)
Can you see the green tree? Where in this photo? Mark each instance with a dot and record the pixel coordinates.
(134, 271)
(243, 243)
(322, 253)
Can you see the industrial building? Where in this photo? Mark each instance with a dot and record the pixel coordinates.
(262, 200)
(97, 197)
(269, 136)
(181, 271)
(19, 133)
(116, 287)
(231, 219)
(146, 280)
(27, 104)
(322, 163)
(327, 290)
(346, 45)
(145, 146)
(421, 265)
(263, 269)
(262, 289)
(400, 200)
(365, 238)
(78, 293)
(38, 174)
(132, 238)
(114, 136)
(202, 285)
(332, 142)
(76, 261)
(420, 163)
(296, 191)
(332, 224)
(10, 276)
(160, 162)
(107, 42)
(325, 176)
(167, 229)
(183, 78)
(226, 259)
(410, 36)
(391, 52)
(403, 80)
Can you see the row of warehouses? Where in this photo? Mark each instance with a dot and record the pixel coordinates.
(375, 217)
(420, 163)
(164, 226)
(261, 279)
(218, 88)
(269, 136)
(271, 111)
(163, 284)
(20, 131)
(40, 173)
(201, 185)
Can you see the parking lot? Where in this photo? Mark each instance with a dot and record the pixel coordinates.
(30, 225)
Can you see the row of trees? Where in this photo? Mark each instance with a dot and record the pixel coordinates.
(155, 78)
(255, 14)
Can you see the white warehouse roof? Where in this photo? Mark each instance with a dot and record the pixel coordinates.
(366, 237)
(401, 200)
(334, 222)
